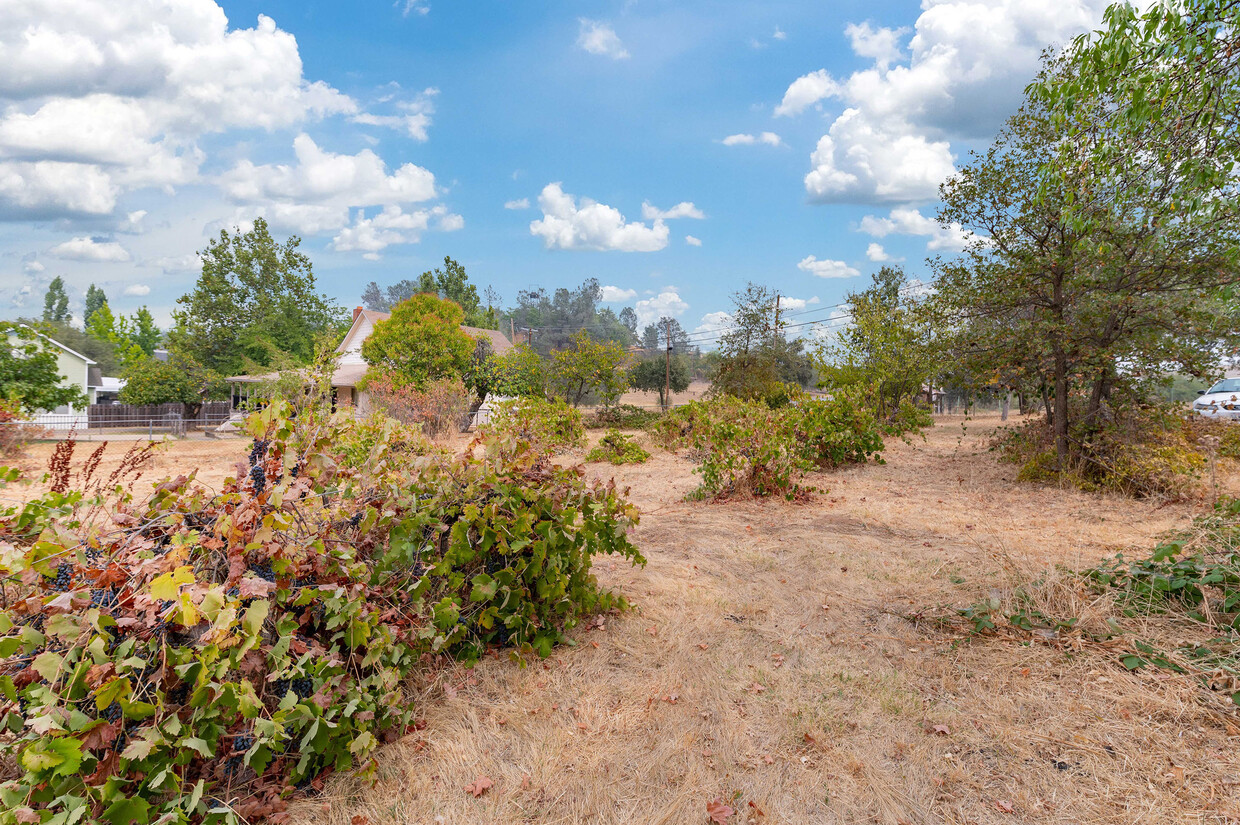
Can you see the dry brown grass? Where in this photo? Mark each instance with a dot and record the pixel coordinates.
(766, 660)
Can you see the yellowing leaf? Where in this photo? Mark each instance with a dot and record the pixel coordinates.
(168, 586)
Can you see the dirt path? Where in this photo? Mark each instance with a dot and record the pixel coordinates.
(766, 662)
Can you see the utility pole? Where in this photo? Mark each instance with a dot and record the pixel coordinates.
(775, 337)
(667, 379)
(512, 331)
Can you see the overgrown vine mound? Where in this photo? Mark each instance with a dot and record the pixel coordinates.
(199, 657)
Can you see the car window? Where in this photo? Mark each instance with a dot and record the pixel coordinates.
(1227, 385)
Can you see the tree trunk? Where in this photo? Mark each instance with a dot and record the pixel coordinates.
(1007, 400)
(1046, 406)
(1061, 409)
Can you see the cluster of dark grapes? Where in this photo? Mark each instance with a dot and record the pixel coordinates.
(258, 477)
(36, 621)
(104, 598)
(356, 519)
(112, 713)
(258, 451)
(303, 686)
(264, 571)
(64, 576)
(179, 695)
(240, 745)
(161, 620)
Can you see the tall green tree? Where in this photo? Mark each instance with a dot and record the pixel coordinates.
(254, 306)
(654, 336)
(101, 325)
(421, 342)
(1153, 99)
(449, 282)
(588, 368)
(95, 298)
(30, 372)
(1081, 275)
(554, 319)
(747, 366)
(56, 302)
(178, 380)
(142, 331)
(657, 374)
(887, 349)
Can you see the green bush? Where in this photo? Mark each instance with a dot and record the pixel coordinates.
(747, 448)
(623, 417)
(197, 657)
(674, 429)
(838, 430)
(617, 448)
(548, 427)
(1143, 451)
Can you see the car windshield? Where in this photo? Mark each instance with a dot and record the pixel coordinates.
(1226, 385)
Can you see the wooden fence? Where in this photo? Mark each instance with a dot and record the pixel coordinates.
(103, 416)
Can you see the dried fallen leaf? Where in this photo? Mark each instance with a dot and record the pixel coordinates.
(702, 645)
(479, 786)
(1004, 806)
(718, 812)
(359, 819)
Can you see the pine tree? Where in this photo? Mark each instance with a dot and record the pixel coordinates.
(56, 302)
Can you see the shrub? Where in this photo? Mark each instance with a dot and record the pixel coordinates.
(14, 433)
(518, 373)
(547, 427)
(1148, 451)
(617, 448)
(838, 430)
(747, 448)
(623, 416)
(675, 429)
(438, 407)
(196, 657)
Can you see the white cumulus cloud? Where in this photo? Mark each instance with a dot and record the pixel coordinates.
(876, 253)
(598, 37)
(827, 268)
(793, 304)
(519, 203)
(102, 98)
(684, 209)
(667, 303)
(613, 294)
(90, 249)
(692, 241)
(904, 221)
(137, 290)
(413, 117)
(960, 73)
(391, 226)
(744, 139)
(315, 194)
(567, 224)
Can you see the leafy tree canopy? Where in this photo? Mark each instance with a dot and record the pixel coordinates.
(56, 302)
(887, 349)
(423, 340)
(756, 361)
(651, 375)
(450, 283)
(178, 380)
(556, 318)
(95, 299)
(655, 335)
(254, 306)
(30, 372)
(588, 367)
(1080, 266)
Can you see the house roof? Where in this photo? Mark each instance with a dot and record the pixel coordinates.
(57, 343)
(349, 374)
(499, 341)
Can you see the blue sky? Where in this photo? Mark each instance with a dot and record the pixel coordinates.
(673, 150)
